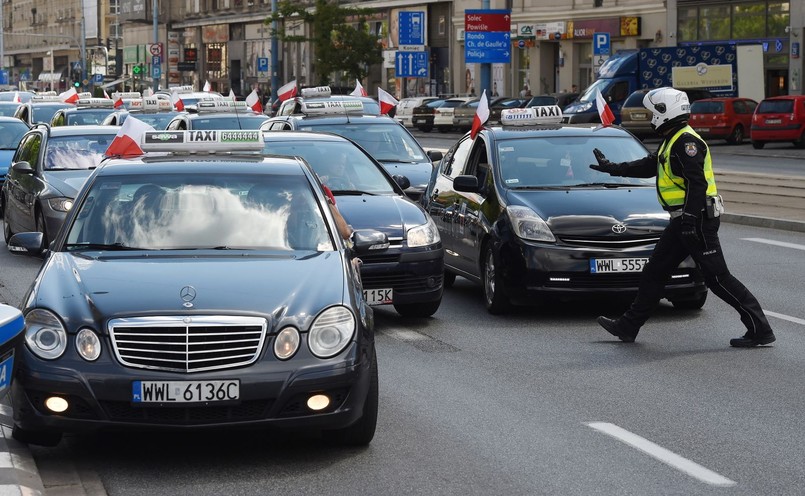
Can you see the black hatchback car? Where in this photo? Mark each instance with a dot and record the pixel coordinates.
(521, 212)
(209, 290)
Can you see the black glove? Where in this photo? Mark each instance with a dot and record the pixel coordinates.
(688, 227)
(603, 164)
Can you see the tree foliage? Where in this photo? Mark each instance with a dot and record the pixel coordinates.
(340, 36)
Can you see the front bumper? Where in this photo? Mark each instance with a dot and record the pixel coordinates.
(272, 393)
(415, 276)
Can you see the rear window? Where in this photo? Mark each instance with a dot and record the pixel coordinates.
(707, 108)
(776, 107)
(635, 99)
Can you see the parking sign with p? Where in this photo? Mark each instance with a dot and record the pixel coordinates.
(601, 44)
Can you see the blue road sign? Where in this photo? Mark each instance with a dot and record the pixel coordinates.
(411, 64)
(156, 71)
(601, 44)
(97, 78)
(412, 28)
(3, 76)
(487, 47)
(262, 64)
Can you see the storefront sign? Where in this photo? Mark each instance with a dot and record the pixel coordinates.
(712, 77)
(548, 30)
(617, 26)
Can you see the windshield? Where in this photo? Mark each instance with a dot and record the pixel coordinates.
(84, 117)
(564, 161)
(339, 164)
(384, 141)
(589, 93)
(11, 133)
(76, 152)
(44, 113)
(200, 211)
(157, 120)
(246, 121)
(7, 109)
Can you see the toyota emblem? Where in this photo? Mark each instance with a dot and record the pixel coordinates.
(619, 229)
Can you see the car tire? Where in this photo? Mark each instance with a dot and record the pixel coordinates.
(425, 129)
(41, 438)
(361, 432)
(418, 310)
(800, 143)
(444, 129)
(695, 303)
(736, 137)
(494, 296)
(757, 145)
(42, 227)
(449, 279)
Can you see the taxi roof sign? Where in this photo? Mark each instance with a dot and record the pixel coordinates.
(317, 92)
(85, 103)
(182, 89)
(151, 104)
(127, 94)
(334, 107)
(222, 105)
(46, 98)
(203, 141)
(547, 114)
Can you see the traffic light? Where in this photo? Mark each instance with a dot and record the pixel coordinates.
(137, 69)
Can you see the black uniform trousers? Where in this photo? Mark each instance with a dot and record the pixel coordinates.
(672, 248)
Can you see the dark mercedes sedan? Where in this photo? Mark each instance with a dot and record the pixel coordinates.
(521, 212)
(198, 291)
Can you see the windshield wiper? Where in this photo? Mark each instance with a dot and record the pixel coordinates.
(100, 246)
(396, 161)
(606, 185)
(536, 186)
(351, 192)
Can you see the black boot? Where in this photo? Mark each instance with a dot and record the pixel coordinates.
(750, 340)
(616, 329)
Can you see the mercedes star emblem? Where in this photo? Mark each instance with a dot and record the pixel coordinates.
(187, 294)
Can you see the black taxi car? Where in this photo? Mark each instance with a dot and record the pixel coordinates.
(408, 274)
(521, 212)
(215, 292)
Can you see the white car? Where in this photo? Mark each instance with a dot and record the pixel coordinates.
(405, 109)
(443, 116)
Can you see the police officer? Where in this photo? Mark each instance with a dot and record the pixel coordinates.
(686, 188)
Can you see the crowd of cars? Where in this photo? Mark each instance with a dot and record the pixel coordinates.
(223, 198)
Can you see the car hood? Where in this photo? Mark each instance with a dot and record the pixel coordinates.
(5, 159)
(390, 214)
(125, 284)
(594, 212)
(67, 182)
(418, 173)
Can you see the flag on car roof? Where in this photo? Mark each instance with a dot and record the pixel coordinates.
(232, 94)
(127, 141)
(207, 86)
(481, 115)
(17, 98)
(118, 100)
(607, 117)
(106, 95)
(253, 101)
(287, 90)
(69, 96)
(177, 102)
(359, 89)
(387, 101)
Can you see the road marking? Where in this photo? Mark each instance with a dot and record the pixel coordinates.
(691, 468)
(785, 317)
(776, 243)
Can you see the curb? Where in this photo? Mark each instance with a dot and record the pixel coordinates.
(19, 475)
(768, 222)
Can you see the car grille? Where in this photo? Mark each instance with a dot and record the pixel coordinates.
(400, 282)
(610, 242)
(123, 411)
(188, 343)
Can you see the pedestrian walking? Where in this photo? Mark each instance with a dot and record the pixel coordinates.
(686, 188)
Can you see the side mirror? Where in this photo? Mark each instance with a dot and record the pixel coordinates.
(369, 240)
(402, 181)
(23, 167)
(27, 243)
(467, 184)
(434, 155)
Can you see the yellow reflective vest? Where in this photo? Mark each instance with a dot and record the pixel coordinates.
(670, 187)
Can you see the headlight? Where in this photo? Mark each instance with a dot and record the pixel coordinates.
(423, 235)
(528, 225)
(331, 332)
(287, 343)
(584, 107)
(61, 204)
(45, 334)
(88, 345)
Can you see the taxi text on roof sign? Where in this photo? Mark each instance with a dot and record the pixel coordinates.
(220, 105)
(318, 91)
(332, 107)
(94, 103)
(548, 114)
(151, 104)
(213, 141)
(127, 94)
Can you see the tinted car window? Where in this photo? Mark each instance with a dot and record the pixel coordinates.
(76, 152)
(707, 107)
(539, 101)
(234, 122)
(635, 99)
(383, 141)
(776, 107)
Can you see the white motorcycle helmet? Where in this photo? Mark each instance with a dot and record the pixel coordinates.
(668, 107)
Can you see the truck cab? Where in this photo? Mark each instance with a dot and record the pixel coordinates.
(617, 79)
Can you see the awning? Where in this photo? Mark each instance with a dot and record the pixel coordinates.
(115, 82)
(51, 77)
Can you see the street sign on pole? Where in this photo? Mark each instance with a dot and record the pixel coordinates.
(487, 36)
(411, 64)
(601, 49)
(412, 28)
(262, 69)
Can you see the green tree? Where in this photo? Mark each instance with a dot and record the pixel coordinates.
(340, 36)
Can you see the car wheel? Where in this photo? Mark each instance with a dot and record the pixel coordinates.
(361, 432)
(418, 309)
(42, 438)
(42, 227)
(426, 129)
(737, 136)
(690, 304)
(800, 143)
(494, 297)
(445, 129)
(758, 144)
(449, 279)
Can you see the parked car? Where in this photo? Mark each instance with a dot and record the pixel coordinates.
(422, 117)
(501, 104)
(405, 109)
(465, 113)
(636, 119)
(723, 118)
(443, 114)
(779, 118)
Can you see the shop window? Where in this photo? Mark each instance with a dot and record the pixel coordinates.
(687, 19)
(779, 18)
(714, 23)
(749, 20)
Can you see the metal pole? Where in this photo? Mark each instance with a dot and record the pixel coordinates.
(156, 40)
(83, 46)
(52, 69)
(275, 78)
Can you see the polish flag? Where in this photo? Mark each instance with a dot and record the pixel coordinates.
(253, 101)
(481, 116)
(69, 96)
(359, 90)
(127, 141)
(232, 94)
(387, 102)
(118, 100)
(287, 91)
(207, 86)
(106, 95)
(177, 102)
(607, 117)
(17, 98)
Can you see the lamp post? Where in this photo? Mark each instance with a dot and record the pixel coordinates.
(52, 68)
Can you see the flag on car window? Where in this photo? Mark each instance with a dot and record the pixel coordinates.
(481, 116)
(177, 102)
(127, 141)
(69, 96)
(287, 90)
(607, 117)
(387, 102)
(359, 90)
(253, 101)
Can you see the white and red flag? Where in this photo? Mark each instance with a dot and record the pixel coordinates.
(69, 96)
(232, 94)
(359, 89)
(177, 102)
(387, 101)
(481, 116)
(118, 100)
(127, 141)
(207, 86)
(106, 95)
(17, 98)
(287, 90)
(253, 101)
(607, 117)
